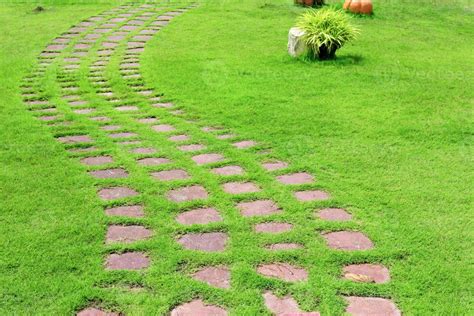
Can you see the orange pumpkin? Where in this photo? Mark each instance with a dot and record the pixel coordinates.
(358, 6)
(366, 7)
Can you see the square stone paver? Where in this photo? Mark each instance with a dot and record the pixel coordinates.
(127, 261)
(207, 242)
(185, 194)
(258, 208)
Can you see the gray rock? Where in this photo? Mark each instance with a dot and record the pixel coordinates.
(296, 45)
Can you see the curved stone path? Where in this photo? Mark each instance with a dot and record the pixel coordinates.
(110, 122)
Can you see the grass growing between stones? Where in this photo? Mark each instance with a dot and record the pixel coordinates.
(384, 129)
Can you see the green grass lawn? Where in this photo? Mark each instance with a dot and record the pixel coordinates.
(386, 128)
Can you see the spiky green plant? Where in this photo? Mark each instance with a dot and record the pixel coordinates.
(326, 30)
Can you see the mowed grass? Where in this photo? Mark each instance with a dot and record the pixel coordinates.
(385, 129)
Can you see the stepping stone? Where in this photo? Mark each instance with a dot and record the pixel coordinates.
(283, 271)
(192, 147)
(214, 276)
(116, 193)
(163, 128)
(57, 47)
(48, 118)
(72, 60)
(148, 120)
(159, 23)
(111, 127)
(74, 139)
(169, 175)
(135, 50)
(143, 150)
(142, 38)
(82, 150)
(208, 242)
(127, 261)
(274, 165)
(126, 108)
(313, 195)
(296, 178)
(129, 142)
(199, 216)
(37, 102)
(82, 46)
(198, 308)
(92, 311)
(284, 246)
(122, 135)
(92, 36)
(204, 159)
(284, 306)
(347, 240)
(228, 171)
(84, 111)
(135, 211)
(375, 273)
(126, 234)
(109, 173)
(165, 105)
(77, 103)
(115, 38)
(244, 144)
(101, 118)
(184, 194)
(153, 161)
(179, 138)
(240, 187)
(373, 306)
(208, 129)
(226, 136)
(334, 214)
(258, 208)
(273, 228)
(118, 20)
(145, 92)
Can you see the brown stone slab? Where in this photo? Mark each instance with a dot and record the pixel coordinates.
(109, 173)
(375, 273)
(334, 214)
(373, 306)
(192, 147)
(116, 193)
(200, 216)
(283, 271)
(153, 161)
(285, 306)
(312, 195)
(143, 150)
(127, 261)
(296, 178)
(111, 127)
(163, 128)
(179, 138)
(228, 171)
(97, 160)
(204, 159)
(207, 242)
(273, 228)
(214, 276)
(240, 187)
(84, 111)
(184, 194)
(244, 144)
(122, 135)
(148, 120)
(126, 108)
(126, 234)
(258, 208)
(169, 175)
(135, 211)
(92, 311)
(284, 246)
(74, 139)
(198, 308)
(348, 240)
(274, 165)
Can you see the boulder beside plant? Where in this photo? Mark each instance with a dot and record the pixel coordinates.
(296, 43)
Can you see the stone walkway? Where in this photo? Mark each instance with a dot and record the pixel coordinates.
(124, 132)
